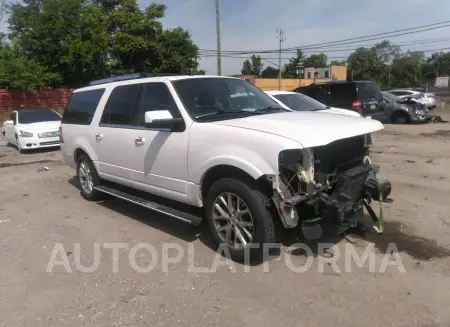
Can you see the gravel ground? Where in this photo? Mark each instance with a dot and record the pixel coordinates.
(40, 208)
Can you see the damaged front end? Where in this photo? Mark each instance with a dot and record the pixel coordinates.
(332, 182)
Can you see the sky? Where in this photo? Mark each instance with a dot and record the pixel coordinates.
(252, 24)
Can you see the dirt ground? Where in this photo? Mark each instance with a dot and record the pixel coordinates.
(40, 207)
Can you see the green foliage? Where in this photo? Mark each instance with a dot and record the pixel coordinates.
(83, 40)
(17, 72)
(290, 69)
(253, 66)
(316, 60)
(270, 72)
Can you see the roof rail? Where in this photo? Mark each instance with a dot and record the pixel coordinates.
(128, 77)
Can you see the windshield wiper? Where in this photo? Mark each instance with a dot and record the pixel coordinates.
(221, 112)
(269, 108)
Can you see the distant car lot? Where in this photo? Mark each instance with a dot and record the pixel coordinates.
(40, 206)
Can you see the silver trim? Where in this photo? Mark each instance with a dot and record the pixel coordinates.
(143, 205)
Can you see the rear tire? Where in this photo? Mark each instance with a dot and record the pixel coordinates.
(88, 178)
(249, 224)
(400, 119)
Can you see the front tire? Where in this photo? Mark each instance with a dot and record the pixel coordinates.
(88, 178)
(239, 217)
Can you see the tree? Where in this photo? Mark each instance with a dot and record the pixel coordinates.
(406, 70)
(17, 72)
(290, 69)
(366, 65)
(246, 67)
(84, 40)
(270, 72)
(253, 66)
(386, 51)
(338, 63)
(317, 60)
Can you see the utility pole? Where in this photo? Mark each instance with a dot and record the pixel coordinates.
(281, 39)
(219, 59)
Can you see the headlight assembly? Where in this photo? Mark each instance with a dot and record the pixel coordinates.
(25, 134)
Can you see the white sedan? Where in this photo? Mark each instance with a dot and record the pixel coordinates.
(32, 129)
(299, 102)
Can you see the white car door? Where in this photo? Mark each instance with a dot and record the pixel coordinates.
(113, 135)
(159, 162)
(10, 128)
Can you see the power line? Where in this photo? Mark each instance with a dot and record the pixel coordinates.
(411, 30)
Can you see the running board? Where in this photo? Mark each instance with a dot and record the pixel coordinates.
(178, 214)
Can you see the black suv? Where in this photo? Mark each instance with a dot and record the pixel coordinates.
(362, 96)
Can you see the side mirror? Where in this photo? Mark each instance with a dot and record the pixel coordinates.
(162, 119)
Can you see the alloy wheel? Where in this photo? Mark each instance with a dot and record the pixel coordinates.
(233, 220)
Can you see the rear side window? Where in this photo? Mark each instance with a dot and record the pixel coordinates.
(343, 92)
(121, 106)
(368, 91)
(81, 107)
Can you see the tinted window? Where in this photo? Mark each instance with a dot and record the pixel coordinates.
(343, 92)
(300, 102)
(390, 97)
(322, 93)
(368, 91)
(30, 116)
(81, 107)
(156, 96)
(121, 105)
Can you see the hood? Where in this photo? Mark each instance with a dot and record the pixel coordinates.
(48, 126)
(342, 112)
(309, 128)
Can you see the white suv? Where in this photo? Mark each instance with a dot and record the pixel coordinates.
(185, 146)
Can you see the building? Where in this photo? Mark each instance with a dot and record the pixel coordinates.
(338, 73)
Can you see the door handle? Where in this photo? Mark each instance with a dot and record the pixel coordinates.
(139, 140)
(98, 136)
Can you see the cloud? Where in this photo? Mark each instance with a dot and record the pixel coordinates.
(251, 25)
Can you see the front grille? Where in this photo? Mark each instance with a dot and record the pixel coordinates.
(340, 155)
(50, 143)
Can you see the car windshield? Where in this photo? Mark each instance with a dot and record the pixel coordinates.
(300, 102)
(223, 98)
(29, 116)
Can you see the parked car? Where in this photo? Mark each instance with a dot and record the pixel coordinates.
(32, 128)
(300, 102)
(363, 97)
(429, 99)
(189, 148)
(404, 110)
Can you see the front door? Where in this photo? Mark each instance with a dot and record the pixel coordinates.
(9, 129)
(159, 162)
(114, 135)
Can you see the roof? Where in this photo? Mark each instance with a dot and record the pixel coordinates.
(341, 82)
(148, 79)
(276, 92)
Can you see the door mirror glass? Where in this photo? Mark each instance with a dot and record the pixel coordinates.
(162, 119)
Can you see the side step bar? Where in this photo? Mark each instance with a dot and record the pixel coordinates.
(181, 215)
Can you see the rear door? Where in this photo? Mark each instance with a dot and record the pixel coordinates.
(371, 99)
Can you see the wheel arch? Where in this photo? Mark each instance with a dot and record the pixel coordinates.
(221, 171)
(399, 113)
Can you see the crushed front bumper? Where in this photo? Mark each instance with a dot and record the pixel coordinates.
(344, 204)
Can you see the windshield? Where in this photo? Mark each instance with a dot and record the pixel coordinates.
(209, 97)
(300, 102)
(29, 116)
